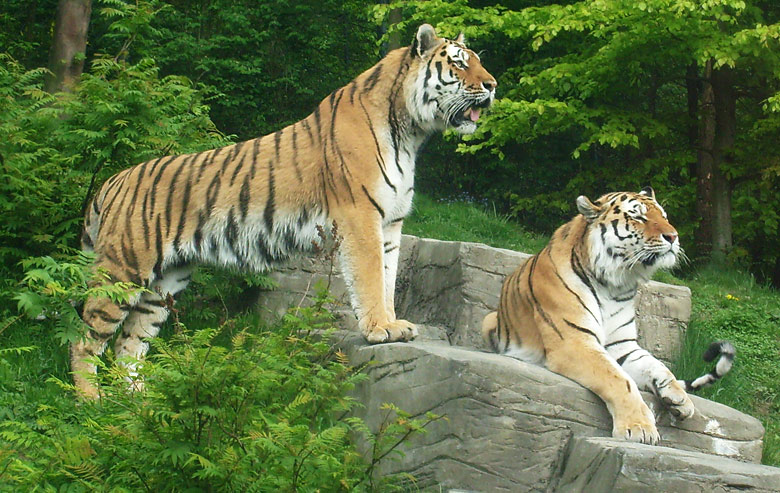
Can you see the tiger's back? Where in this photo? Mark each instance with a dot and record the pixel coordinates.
(203, 208)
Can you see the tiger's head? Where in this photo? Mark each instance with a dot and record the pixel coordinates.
(448, 86)
(629, 236)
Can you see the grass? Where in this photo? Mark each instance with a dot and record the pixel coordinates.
(727, 304)
(459, 221)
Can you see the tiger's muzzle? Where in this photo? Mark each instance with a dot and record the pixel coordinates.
(471, 113)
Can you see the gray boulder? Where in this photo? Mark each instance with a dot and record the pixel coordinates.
(453, 285)
(512, 426)
(601, 464)
(509, 423)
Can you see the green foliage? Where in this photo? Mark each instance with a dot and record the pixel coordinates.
(269, 63)
(51, 290)
(122, 114)
(266, 411)
(593, 62)
(35, 187)
(397, 426)
(26, 29)
(254, 416)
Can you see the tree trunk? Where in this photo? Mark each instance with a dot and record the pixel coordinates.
(652, 108)
(705, 164)
(29, 25)
(66, 58)
(725, 136)
(394, 40)
(692, 88)
(716, 136)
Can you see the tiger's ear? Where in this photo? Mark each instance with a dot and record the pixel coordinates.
(425, 40)
(461, 38)
(649, 192)
(587, 208)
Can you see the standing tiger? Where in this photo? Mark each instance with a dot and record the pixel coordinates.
(571, 306)
(253, 204)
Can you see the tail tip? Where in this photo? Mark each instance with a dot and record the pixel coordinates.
(717, 348)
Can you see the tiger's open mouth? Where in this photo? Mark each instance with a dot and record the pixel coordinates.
(471, 114)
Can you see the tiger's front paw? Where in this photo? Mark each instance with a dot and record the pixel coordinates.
(637, 427)
(399, 330)
(676, 399)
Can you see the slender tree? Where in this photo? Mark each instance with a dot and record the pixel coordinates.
(66, 58)
(725, 100)
(704, 142)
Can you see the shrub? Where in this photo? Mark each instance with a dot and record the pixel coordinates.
(35, 188)
(51, 290)
(268, 411)
(241, 407)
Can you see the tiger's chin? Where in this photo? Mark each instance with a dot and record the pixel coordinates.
(465, 128)
(629, 273)
(667, 260)
(656, 261)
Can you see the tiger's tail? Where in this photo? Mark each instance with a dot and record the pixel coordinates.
(489, 333)
(726, 351)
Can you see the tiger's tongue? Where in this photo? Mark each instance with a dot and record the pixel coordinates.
(474, 114)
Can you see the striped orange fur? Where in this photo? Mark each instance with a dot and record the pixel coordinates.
(571, 307)
(253, 204)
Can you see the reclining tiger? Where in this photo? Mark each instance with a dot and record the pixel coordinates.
(571, 306)
(253, 204)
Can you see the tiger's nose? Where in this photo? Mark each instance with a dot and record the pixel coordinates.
(489, 84)
(670, 237)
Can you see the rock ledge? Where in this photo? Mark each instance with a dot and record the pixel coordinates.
(512, 426)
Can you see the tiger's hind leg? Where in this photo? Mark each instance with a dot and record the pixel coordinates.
(145, 320)
(103, 317)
